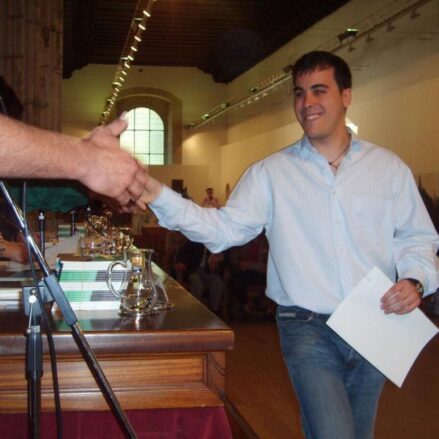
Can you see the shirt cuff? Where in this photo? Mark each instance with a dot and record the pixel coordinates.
(166, 205)
(418, 274)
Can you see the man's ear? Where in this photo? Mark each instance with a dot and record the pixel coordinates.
(346, 95)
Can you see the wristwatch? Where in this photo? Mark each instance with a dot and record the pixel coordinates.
(2, 244)
(418, 285)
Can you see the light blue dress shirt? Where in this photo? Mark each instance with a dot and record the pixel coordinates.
(325, 231)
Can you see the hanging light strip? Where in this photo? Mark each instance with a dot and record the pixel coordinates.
(130, 49)
(394, 10)
(254, 94)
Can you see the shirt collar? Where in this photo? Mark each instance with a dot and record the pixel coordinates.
(307, 150)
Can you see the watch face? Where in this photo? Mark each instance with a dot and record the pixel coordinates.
(418, 285)
(420, 288)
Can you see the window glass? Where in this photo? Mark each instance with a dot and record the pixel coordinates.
(145, 136)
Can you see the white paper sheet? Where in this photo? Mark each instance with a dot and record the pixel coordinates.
(390, 342)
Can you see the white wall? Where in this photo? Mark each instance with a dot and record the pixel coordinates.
(84, 94)
(204, 149)
(191, 175)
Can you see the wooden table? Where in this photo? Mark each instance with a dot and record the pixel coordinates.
(173, 360)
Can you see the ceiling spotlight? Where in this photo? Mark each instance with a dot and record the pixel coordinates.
(135, 23)
(137, 38)
(254, 89)
(142, 26)
(146, 13)
(205, 116)
(348, 33)
(414, 14)
(390, 27)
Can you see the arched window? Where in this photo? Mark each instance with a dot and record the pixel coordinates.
(145, 136)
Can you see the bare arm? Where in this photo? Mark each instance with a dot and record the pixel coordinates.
(15, 251)
(96, 161)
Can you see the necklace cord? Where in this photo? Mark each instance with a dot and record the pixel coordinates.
(331, 163)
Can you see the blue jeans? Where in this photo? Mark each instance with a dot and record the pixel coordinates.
(338, 390)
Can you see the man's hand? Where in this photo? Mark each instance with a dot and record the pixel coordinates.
(402, 298)
(151, 190)
(15, 251)
(109, 170)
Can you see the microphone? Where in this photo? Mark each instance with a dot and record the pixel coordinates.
(73, 223)
(42, 229)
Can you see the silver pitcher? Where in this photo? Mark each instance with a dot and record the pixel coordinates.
(137, 291)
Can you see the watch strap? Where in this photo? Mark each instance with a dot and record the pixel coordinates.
(418, 285)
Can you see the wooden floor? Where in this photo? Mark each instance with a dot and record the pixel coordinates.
(261, 403)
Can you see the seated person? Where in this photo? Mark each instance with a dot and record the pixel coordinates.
(247, 278)
(14, 251)
(201, 272)
(174, 241)
(210, 200)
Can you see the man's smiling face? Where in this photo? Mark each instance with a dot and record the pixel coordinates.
(319, 104)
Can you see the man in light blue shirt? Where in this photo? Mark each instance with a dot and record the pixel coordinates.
(332, 207)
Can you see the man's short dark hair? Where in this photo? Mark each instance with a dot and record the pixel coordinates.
(320, 60)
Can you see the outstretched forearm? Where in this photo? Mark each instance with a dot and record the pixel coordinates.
(97, 161)
(29, 152)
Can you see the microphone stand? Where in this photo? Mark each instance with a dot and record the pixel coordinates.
(52, 287)
(73, 222)
(42, 230)
(34, 357)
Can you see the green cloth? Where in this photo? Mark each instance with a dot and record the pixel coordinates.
(54, 196)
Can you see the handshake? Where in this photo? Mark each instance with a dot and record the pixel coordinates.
(108, 170)
(97, 161)
(113, 173)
